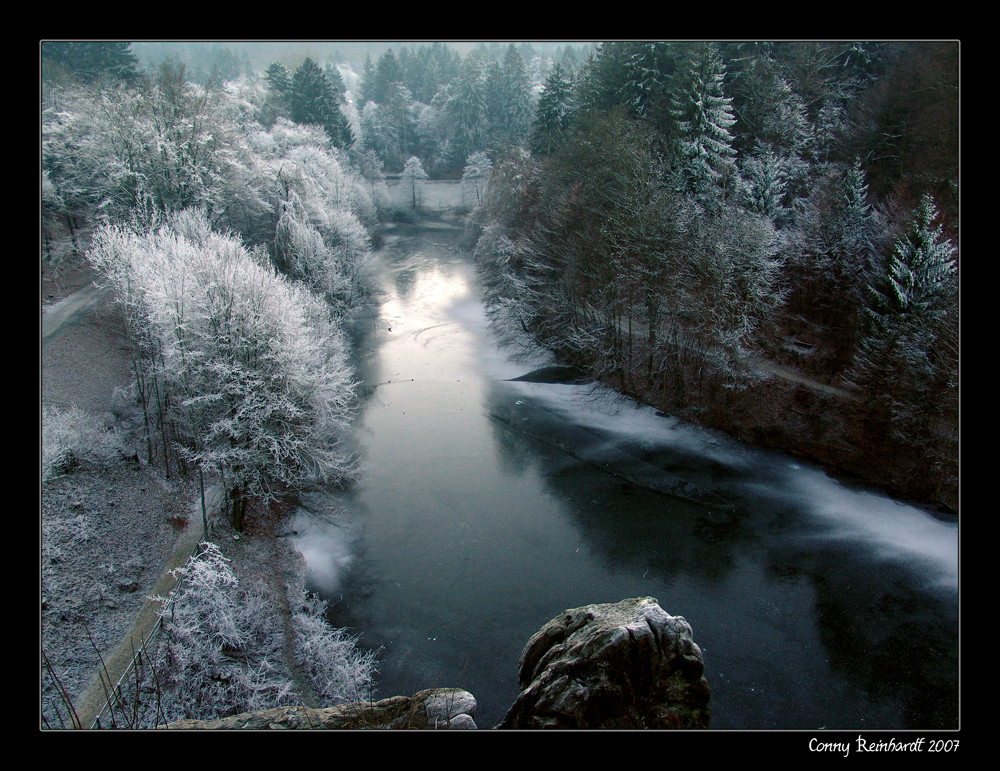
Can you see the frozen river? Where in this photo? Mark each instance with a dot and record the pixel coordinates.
(487, 506)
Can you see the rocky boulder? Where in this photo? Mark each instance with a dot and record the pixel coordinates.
(625, 665)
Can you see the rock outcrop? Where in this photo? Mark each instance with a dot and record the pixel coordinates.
(437, 708)
(626, 665)
(620, 665)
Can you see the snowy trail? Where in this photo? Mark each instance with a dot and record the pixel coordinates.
(63, 312)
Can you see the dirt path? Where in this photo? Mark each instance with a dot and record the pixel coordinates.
(793, 376)
(92, 640)
(91, 707)
(129, 513)
(67, 309)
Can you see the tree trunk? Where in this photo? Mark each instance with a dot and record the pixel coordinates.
(239, 508)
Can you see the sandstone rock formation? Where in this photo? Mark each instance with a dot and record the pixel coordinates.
(619, 665)
(437, 708)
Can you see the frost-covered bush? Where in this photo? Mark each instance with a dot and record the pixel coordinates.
(71, 436)
(336, 669)
(222, 645)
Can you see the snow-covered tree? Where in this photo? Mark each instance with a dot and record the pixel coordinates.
(906, 367)
(914, 278)
(837, 233)
(763, 184)
(730, 288)
(704, 117)
(837, 229)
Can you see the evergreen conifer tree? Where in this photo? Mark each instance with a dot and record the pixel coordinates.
(366, 84)
(91, 61)
(336, 82)
(387, 74)
(508, 101)
(912, 280)
(279, 80)
(703, 115)
(313, 101)
(555, 109)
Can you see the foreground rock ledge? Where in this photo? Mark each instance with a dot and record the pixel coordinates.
(436, 708)
(624, 665)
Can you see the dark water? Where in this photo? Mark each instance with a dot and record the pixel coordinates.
(488, 506)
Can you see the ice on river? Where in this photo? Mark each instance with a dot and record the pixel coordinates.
(888, 529)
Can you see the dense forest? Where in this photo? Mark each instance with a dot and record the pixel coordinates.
(688, 217)
(680, 218)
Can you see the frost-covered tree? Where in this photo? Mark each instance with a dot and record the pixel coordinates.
(87, 166)
(261, 384)
(768, 111)
(336, 669)
(763, 184)
(413, 171)
(734, 279)
(838, 230)
(223, 648)
(323, 210)
(836, 235)
(112, 153)
(477, 169)
(650, 68)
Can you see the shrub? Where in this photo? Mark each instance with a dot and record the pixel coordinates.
(70, 437)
